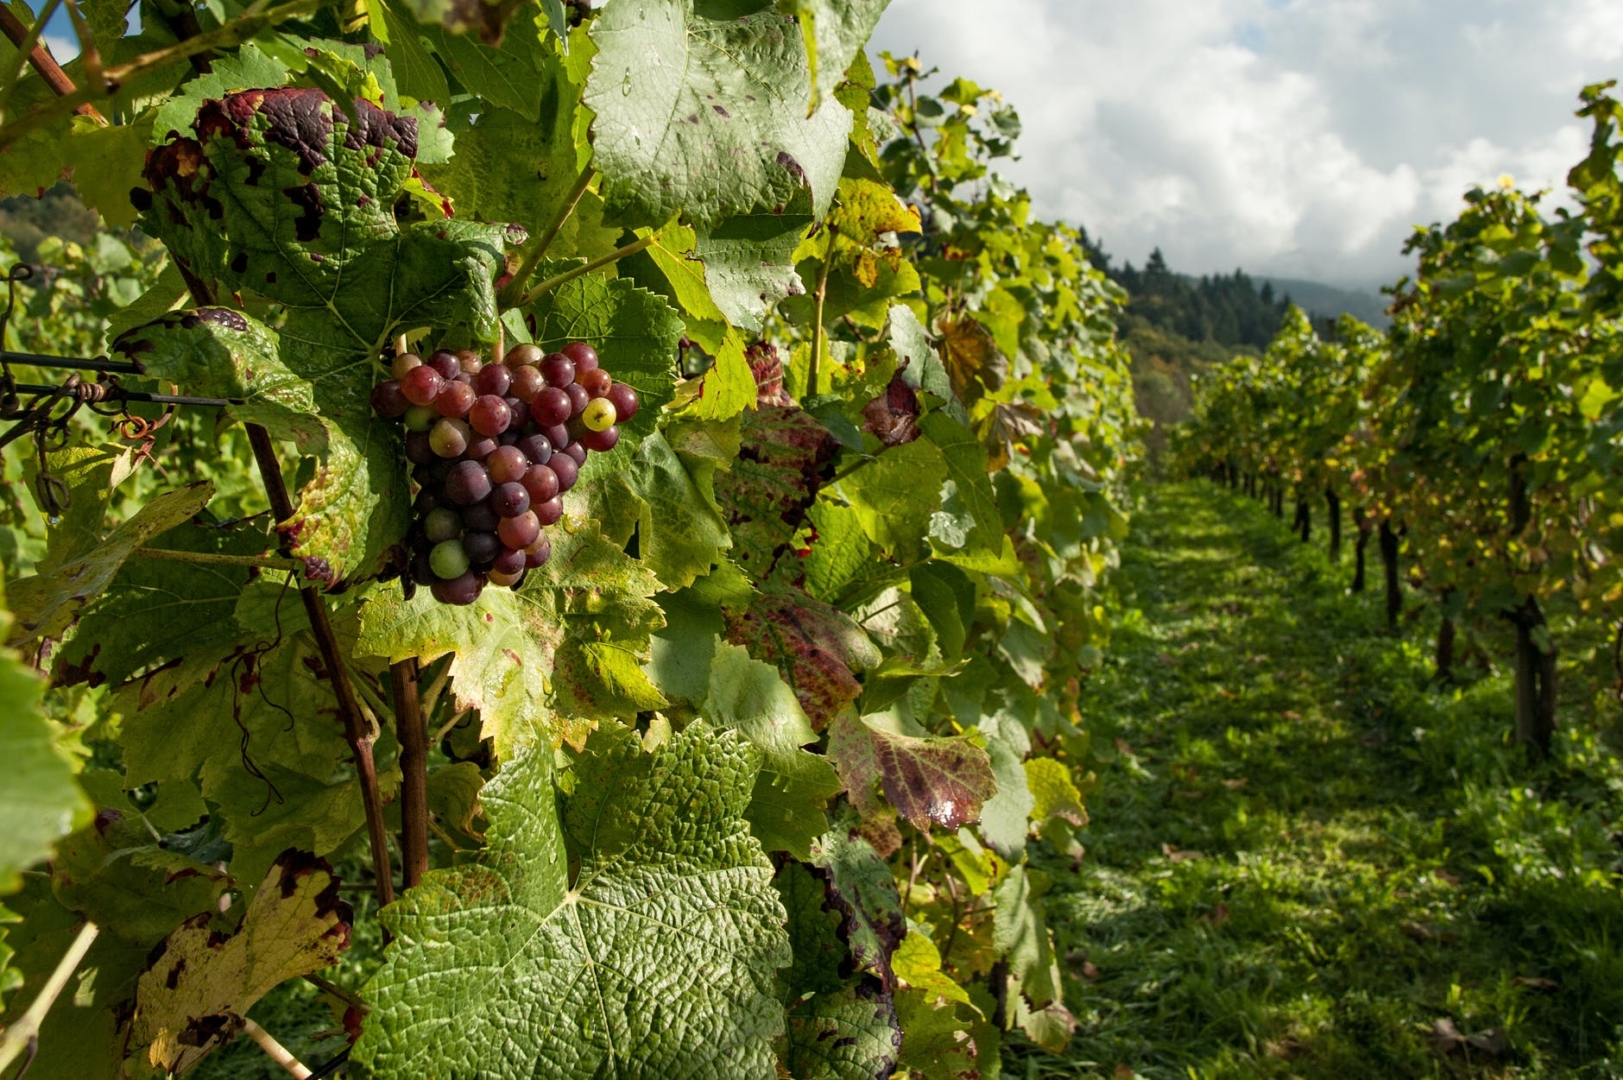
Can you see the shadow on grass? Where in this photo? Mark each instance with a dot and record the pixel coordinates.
(1308, 861)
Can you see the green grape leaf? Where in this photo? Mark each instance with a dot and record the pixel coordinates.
(635, 333)
(1006, 816)
(114, 874)
(47, 602)
(817, 648)
(707, 116)
(793, 787)
(416, 71)
(501, 69)
(965, 458)
(159, 610)
(634, 923)
(1054, 792)
(895, 494)
(776, 477)
(834, 34)
(840, 550)
(680, 533)
(936, 780)
(106, 162)
(814, 942)
(583, 619)
(847, 1034)
(41, 802)
(861, 888)
(200, 984)
(749, 261)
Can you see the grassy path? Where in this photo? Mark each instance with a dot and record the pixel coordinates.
(1305, 860)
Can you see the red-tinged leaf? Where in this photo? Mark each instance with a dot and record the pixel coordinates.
(940, 781)
(861, 888)
(772, 483)
(766, 364)
(893, 417)
(817, 648)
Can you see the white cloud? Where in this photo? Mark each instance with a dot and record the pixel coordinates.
(1291, 137)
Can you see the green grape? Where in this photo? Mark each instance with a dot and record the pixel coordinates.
(599, 414)
(448, 560)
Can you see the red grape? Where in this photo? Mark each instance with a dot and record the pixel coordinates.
(467, 483)
(557, 435)
(494, 379)
(595, 382)
(445, 363)
(461, 591)
(480, 518)
(520, 531)
(551, 406)
(518, 411)
(421, 385)
(584, 356)
(506, 463)
(418, 450)
(490, 415)
(538, 553)
(601, 441)
(548, 512)
(577, 451)
(542, 484)
(566, 469)
(557, 369)
(481, 447)
(455, 399)
(527, 383)
(509, 580)
(472, 363)
(388, 401)
(578, 398)
(625, 401)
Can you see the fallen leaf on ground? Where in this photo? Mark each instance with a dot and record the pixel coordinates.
(1237, 784)
(1172, 852)
(1535, 983)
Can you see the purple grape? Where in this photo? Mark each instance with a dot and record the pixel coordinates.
(467, 483)
(493, 381)
(527, 382)
(507, 463)
(520, 531)
(538, 553)
(625, 401)
(558, 435)
(418, 450)
(460, 591)
(542, 484)
(584, 356)
(480, 546)
(509, 500)
(577, 451)
(566, 469)
(480, 518)
(537, 448)
(445, 363)
(551, 406)
(578, 398)
(548, 512)
(557, 369)
(480, 448)
(388, 401)
(601, 441)
(519, 411)
(508, 561)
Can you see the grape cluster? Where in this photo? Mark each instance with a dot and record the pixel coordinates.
(493, 447)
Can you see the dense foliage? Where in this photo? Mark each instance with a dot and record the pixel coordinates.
(739, 779)
(1483, 426)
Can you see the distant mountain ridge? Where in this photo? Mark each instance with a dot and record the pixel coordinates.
(1322, 301)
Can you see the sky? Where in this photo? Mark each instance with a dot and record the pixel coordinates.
(1293, 138)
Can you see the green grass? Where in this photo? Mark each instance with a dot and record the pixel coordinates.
(1305, 855)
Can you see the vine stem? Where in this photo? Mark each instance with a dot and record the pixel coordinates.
(204, 558)
(357, 732)
(22, 1037)
(596, 264)
(515, 288)
(275, 1050)
(43, 62)
(413, 735)
(820, 296)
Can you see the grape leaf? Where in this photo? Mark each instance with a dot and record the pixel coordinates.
(200, 984)
(680, 533)
(940, 780)
(1006, 816)
(793, 787)
(247, 68)
(895, 494)
(707, 116)
(965, 459)
(749, 261)
(47, 602)
(634, 925)
(817, 648)
(861, 887)
(1054, 792)
(776, 477)
(41, 802)
(840, 550)
(114, 874)
(584, 619)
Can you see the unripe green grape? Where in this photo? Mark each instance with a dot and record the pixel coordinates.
(421, 417)
(448, 560)
(442, 524)
(599, 414)
(450, 438)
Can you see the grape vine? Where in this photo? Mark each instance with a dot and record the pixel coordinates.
(635, 460)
